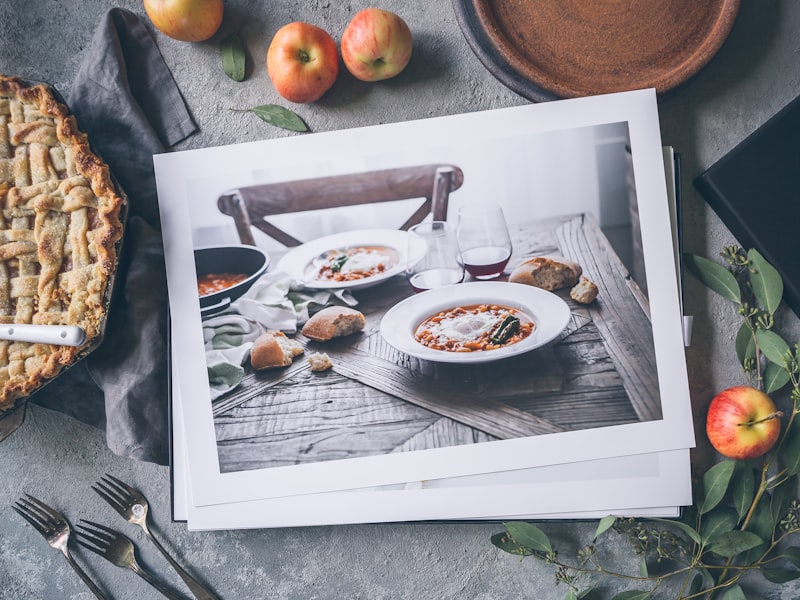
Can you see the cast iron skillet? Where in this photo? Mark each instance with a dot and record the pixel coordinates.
(245, 260)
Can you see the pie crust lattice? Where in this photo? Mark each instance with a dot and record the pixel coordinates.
(59, 227)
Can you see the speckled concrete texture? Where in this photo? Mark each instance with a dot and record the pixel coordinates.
(55, 458)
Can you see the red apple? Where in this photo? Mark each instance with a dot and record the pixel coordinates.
(376, 45)
(302, 62)
(185, 20)
(742, 422)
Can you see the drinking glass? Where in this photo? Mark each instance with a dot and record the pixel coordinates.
(440, 264)
(483, 239)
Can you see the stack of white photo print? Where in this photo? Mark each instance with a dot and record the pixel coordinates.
(467, 317)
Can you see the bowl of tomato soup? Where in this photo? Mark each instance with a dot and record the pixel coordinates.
(224, 273)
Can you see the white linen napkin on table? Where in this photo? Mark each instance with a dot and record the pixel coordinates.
(276, 302)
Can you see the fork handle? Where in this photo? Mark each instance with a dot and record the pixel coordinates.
(168, 592)
(198, 590)
(86, 579)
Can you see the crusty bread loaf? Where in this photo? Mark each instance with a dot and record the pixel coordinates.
(585, 292)
(334, 321)
(273, 349)
(319, 361)
(547, 273)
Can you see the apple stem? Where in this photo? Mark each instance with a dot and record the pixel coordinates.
(776, 415)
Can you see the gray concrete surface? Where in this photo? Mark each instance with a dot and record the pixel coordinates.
(756, 73)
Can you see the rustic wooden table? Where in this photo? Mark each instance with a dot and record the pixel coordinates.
(600, 371)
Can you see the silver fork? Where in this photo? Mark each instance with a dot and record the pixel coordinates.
(132, 505)
(56, 530)
(118, 550)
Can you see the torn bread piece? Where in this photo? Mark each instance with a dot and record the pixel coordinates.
(319, 361)
(584, 292)
(274, 349)
(547, 273)
(334, 321)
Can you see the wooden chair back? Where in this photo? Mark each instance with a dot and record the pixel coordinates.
(249, 206)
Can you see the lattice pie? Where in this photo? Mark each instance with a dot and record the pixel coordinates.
(59, 223)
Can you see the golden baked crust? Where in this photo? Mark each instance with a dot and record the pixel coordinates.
(59, 224)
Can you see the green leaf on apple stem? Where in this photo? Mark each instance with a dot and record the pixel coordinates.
(772, 345)
(714, 276)
(233, 57)
(766, 281)
(279, 117)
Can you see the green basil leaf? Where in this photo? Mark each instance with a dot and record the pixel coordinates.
(772, 345)
(715, 484)
(233, 57)
(605, 524)
(766, 282)
(717, 522)
(714, 276)
(775, 377)
(528, 536)
(779, 575)
(745, 344)
(791, 448)
(506, 544)
(733, 593)
(280, 117)
(734, 542)
(693, 535)
(634, 595)
(743, 488)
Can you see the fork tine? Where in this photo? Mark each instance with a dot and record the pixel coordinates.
(123, 487)
(48, 511)
(102, 534)
(25, 515)
(82, 541)
(115, 502)
(34, 511)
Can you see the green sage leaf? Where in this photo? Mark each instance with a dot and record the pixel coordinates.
(745, 344)
(772, 345)
(715, 484)
(766, 282)
(775, 377)
(734, 542)
(791, 448)
(779, 575)
(280, 117)
(233, 57)
(714, 276)
(528, 536)
(733, 593)
(605, 524)
(693, 535)
(506, 544)
(743, 488)
(717, 522)
(634, 595)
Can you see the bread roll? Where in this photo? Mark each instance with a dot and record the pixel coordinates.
(273, 349)
(585, 292)
(547, 273)
(334, 321)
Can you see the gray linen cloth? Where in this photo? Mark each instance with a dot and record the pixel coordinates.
(125, 99)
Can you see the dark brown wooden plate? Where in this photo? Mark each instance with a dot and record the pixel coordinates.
(547, 49)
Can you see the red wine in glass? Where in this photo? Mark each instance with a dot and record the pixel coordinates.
(485, 262)
(435, 278)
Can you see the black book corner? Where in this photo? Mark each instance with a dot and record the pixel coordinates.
(755, 190)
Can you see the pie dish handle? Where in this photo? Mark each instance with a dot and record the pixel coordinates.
(58, 335)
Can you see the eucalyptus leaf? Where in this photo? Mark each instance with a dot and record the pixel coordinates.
(280, 117)
(528, 536)
(715, 484)
(233, 57)
(766, 282)
(779, 575)
(506, 544)
(714, 276)
(605, 524)
(791, 448)
(743, 488)
(761, 525)
(717, 522)
(775, 377)
(734, 542)
(571, 595)
(643, 571)
(772, 345)
(792, 554)
(733, 593)
(692, 533)
(782, 496)
(634, 595)
(745, 344)
(697, 584)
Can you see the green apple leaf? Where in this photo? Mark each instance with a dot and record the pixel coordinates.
(714, 276)
(766, 282)
(743, 487)
(715, 484)
(233, 57)
(772, 345)
(731, 543)
(528, 536)
(775, 377)
(280, 117)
